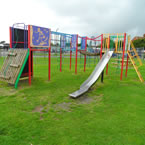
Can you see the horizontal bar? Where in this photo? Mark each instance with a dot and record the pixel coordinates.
(82, 37)
(93, 38)
(39, 49)
(59, 33)
(26, 74)
(114, 34)
(19, 42)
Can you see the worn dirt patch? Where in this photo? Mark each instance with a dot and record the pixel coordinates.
(38, 109)
(85, 100)
(41, 109)
(89, 100)
(63, 106)
(46, 108)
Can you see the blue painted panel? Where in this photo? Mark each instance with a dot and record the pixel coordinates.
(63, 42)
(83, 43)
(74, 42)
(40, 37)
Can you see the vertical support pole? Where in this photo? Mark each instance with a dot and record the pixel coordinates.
(123, 56)
(13, 36)
(29, 54)
(60, 59)
(49, 58)
(24, 36)
(126, 66)
(32, 63)
(70, 53)
(101, 46)
(76, 55)
(85, 55)
(10, 31)
(49, 63)
(128, 48)
(108, 49)
(30, 66)
(102, 76)
(117, 44)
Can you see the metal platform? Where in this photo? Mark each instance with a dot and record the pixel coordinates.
(94, 76)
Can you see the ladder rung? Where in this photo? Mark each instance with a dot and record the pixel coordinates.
(124, 60)
(5, 77)
(131, 50)
(14, 65)
(134, 55)
(12, 54)
(121, 64)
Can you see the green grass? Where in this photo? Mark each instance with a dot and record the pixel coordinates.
(114, 116)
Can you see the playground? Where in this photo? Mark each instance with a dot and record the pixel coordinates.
(37, 108)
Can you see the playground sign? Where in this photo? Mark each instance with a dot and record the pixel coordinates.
(74, 42)
(63, 42)
(83, 43)
(39, 37)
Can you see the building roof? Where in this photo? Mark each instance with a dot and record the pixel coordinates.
(138, 37)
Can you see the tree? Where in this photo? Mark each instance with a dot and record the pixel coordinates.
(2, 42)
(139, 43)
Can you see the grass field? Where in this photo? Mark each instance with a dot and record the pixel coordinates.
(112, 113)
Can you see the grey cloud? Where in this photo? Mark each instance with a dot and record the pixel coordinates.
(95, 16)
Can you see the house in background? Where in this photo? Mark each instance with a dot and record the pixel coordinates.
(138, 37)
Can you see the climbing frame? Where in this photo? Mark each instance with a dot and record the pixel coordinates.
(13, 66)
(134, 55)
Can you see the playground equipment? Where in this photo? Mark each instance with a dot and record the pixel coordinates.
(122, 44)
(34, 38)
(24, 40)
(62, 44)
(132, 54)
(88, 53)
(14, 65)
(87, 45)
(94, 76)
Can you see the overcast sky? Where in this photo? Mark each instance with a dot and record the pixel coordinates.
(83, 17)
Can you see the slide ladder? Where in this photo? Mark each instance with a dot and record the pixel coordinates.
(132, 55)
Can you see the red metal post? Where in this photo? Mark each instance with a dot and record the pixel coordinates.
(49, 64)
(60, 59)
(123, 56)
(85, 55)
(101, 46)
(108, 49)
(29, 54)
(49, 58)
(10, 31)
(32, 63)
(126, 66)
(76, 55)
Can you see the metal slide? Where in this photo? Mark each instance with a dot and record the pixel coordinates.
(94, 76)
